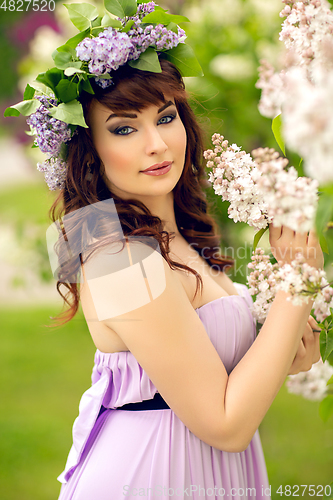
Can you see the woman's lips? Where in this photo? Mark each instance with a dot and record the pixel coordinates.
(158, 169)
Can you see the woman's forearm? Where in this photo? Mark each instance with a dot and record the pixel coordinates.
(257, 378)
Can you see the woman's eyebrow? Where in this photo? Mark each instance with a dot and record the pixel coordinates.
(122, 114)
(133, 115)
(165, 106)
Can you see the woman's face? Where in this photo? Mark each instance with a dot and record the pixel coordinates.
(130, 142)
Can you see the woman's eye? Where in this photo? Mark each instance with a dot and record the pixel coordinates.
(123, 130)
(166, 119)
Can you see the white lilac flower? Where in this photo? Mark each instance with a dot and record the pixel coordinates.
(291, 200)
(303, 89)
(308, 123)
(298, 279)
(261, 191)
(305, 31)
(313, 383)
(323, 302)
(261, 283)
(50, 132)
(272, 90)
(234, 177)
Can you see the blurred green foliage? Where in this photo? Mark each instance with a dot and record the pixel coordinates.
(229, 38)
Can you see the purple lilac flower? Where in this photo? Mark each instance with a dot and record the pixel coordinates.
(55, 171)
(104, 82)
(164, 39)
(158, 37)
(50, 132)
(106, 52)
(142, 11)
(145, 8)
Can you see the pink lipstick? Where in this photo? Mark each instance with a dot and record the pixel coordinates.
(158, 168)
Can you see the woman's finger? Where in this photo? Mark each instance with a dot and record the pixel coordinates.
(313, 324)
(301, 241)
(313, 239)
(274, 232)
(300, 356)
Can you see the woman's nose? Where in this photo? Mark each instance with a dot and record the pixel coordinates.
(154, 142)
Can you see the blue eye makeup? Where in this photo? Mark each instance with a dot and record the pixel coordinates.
(127, 130)
(166, 119)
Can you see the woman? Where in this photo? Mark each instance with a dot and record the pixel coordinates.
(203, 443)
(180, 382)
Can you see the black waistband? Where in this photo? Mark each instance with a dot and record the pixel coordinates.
(157, 403)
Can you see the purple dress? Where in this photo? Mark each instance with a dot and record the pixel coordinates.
(151, 453)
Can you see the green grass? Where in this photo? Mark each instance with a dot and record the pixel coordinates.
(26, 204)
(298, 445)
(43, 375)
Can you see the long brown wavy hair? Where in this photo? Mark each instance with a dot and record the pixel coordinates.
(134, 89)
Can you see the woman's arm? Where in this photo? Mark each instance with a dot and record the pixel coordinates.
(169, 341)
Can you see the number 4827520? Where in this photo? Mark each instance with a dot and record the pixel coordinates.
(305, 490)
(24, 5)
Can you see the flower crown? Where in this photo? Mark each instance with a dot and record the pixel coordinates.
(129, 32)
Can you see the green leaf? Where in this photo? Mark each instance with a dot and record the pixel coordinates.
(86, 85)
(69, 112)
(162, 17)
(72, 70)
(330, 381)
(81, 14)
(24, 108)
(277, 131)
(148, 61)
(75, 40)
(326, 408)
(97, 22)
(324, 212)
(108, 21)
(51, 78)
(326, 343)
(66, 48)
(129, 7)
(114, 7)
(173, 27)
(328, 188)
(28, 93)
(183, 57)
(66, 90)
(11, 112)
(128, 26)
(62, 60)
(258, 236)
(323, 243)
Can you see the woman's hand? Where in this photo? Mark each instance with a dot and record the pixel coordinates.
(286, 243)
(308, 351)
